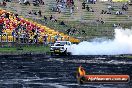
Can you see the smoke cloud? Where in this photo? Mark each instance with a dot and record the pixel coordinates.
(121, 44)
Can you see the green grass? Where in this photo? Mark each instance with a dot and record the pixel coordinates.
(24, 49)
(92, 29)
(125, 56)
(129, 57)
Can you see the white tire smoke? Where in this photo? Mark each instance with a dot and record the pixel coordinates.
(121, 44)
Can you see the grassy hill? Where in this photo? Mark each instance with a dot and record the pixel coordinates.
(81, 19)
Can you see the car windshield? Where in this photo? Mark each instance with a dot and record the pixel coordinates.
(60, 43)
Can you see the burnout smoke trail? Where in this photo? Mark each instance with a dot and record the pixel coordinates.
(121, 44)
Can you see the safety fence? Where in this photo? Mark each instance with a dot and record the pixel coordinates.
(6, 40)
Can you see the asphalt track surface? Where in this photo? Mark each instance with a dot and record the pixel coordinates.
(39, 71)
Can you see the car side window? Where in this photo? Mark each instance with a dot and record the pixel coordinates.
(68, 43)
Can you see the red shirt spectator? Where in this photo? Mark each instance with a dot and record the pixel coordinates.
(1, 20)
(28, 23)
(29, 27)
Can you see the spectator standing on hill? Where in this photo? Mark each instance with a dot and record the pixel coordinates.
(26, 2)
(54, 19)
(30, 12)
(41, 2)
(68, 31)
(45, 39)
(35, 3)
(74, 31)
(91, 9)
(71, 10)
(124, 7)
(62, 23)
(45, 18)
(40, 13)
(83, 32)
(83, 5)
(101, 20)
(51, 17)
(109, 8)
(87, 8)
(103, 12)
(35, 13)
(57, 9)
(21, 1)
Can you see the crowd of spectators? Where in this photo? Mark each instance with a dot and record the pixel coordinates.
(32, 12)
(61, 5)
(100, 20)
(25, 31)
(3, 3)
(34, 2)
(22, 30)
(87, 7)
(110, 9)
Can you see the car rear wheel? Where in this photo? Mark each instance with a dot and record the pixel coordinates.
(67, 53)
(52, 54)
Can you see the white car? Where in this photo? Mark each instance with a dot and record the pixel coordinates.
(60, 47)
